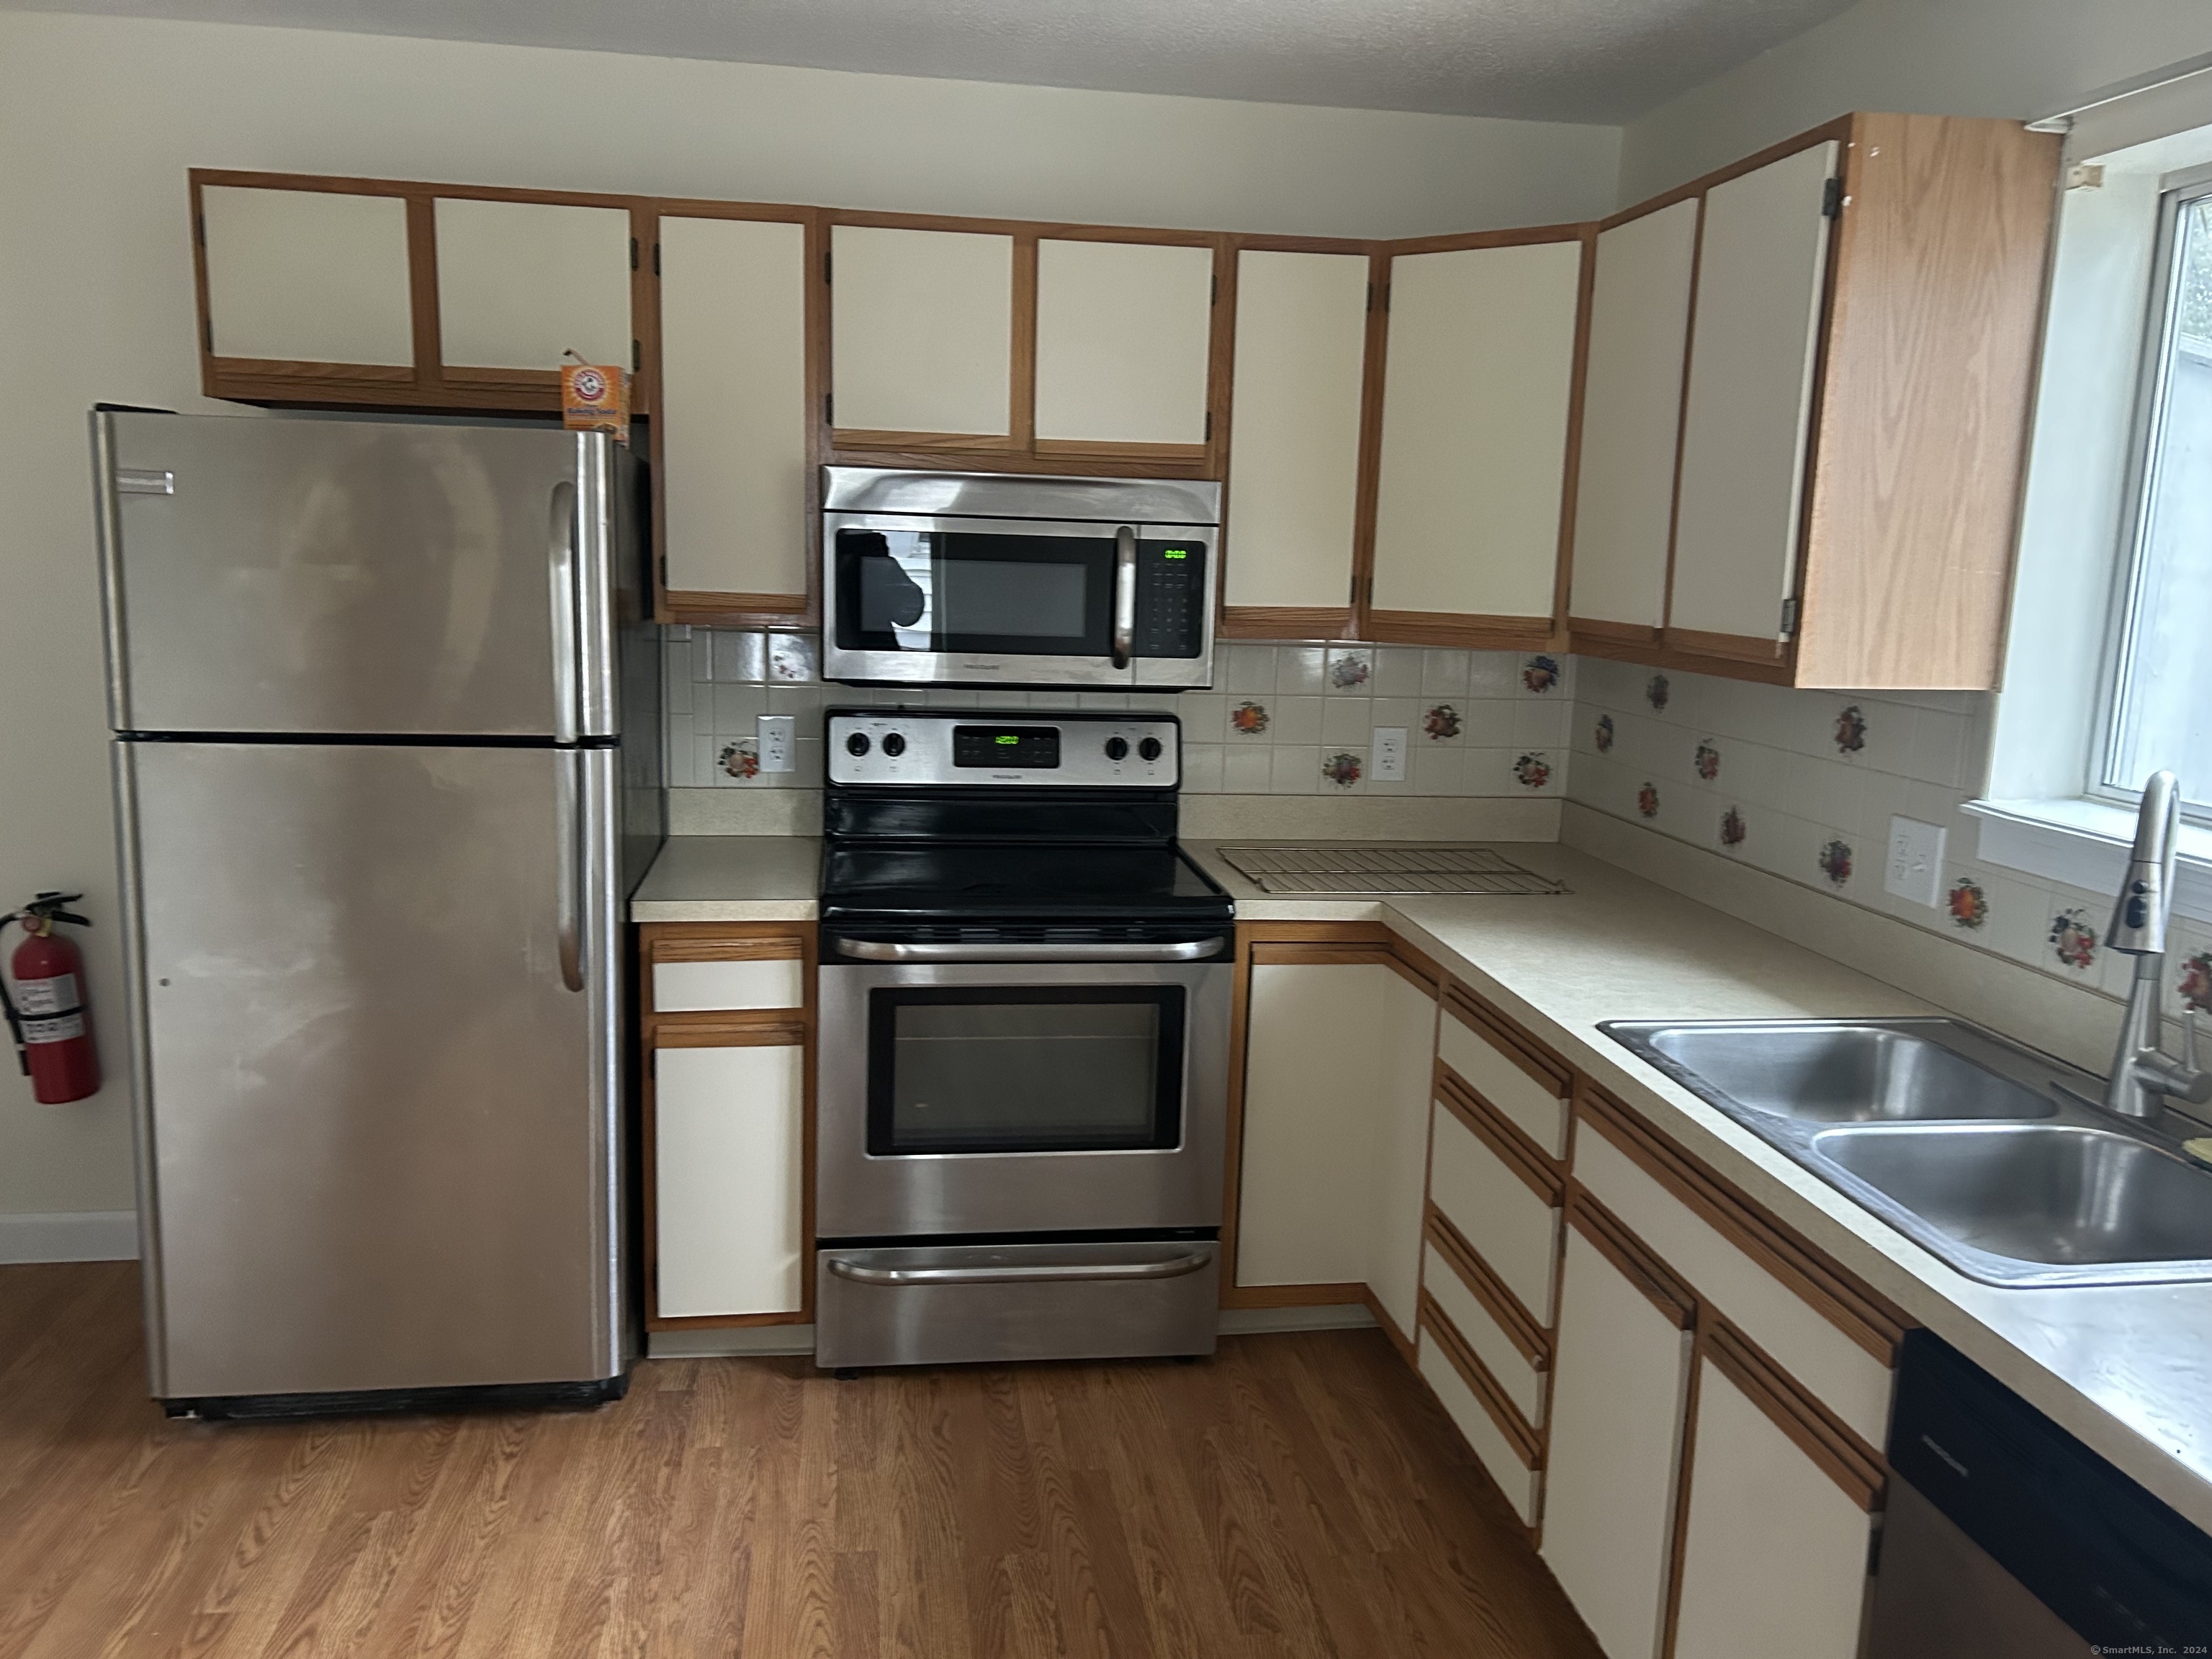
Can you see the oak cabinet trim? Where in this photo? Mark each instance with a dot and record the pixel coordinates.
(1525, 1051)
(1612, 1239)
(1871, 1322)
(1520, 1327)
(1856, 1468)
(1526, 1441)
(1284, 622)
(1534, 1165)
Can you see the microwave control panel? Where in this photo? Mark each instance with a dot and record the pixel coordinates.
(1170, 599)
(1087, 749)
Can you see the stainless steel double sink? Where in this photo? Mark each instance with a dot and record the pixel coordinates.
(1990, 1155)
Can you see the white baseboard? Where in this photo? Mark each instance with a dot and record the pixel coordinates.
(70, 1235)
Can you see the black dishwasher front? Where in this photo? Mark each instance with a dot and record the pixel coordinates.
(2006, 1538)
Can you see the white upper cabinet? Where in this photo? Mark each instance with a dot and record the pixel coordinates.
(1477, 381)
(922, 332)
(1123, 331)
(1631, 417)
(1761, 270)
(307, 275)
(733, 405)
(1300, 354)
(521, 283)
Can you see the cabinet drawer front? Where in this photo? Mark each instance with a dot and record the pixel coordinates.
(691, 987)
(1499, 1454)
(1519, 1378)
(1827, 1363)
(1538, 1107)
(1513, 1229)
(728, 1180)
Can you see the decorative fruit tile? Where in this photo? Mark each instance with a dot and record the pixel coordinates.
(1249, 719)
(1707, 760)
(1967, 905)
(2073, 939)
(1733, 830)
(1533, 771)
(1835, 861)
(1601, 735)
(1541, 675)
(1656, 691)
(1344, 768)
(1349, 667)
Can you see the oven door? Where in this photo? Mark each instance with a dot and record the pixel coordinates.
(1001, 1098)
(967, 601)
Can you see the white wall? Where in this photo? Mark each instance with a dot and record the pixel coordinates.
(100, 118)
(2018, 58)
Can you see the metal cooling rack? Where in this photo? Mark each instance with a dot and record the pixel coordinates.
(1315, 867)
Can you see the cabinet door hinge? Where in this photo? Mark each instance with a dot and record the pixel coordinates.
(1831, 200)
(1209, 426)
(1370, 296)
(825, 266)
(1213, 293)
(656, 258)
(1790, 617)
(199, 228)
(636, 358)
(663, 573)
(828, 403)
(633, 253)
(207, 334)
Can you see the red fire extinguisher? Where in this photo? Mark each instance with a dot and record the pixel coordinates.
(47, 1016)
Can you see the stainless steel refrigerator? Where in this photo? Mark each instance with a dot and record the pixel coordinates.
(386, 700)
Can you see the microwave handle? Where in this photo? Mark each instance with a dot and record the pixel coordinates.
(1125, 594)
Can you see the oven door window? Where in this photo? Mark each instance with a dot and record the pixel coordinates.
(1008, 1069)
(975, 591)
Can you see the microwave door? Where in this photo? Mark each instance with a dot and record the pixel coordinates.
(981, 602)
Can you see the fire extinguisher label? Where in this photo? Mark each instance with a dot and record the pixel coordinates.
(53, 1030)
(48, 996)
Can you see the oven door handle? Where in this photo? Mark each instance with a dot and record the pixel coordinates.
(1125, 595)
(884, 950)
(1174, 1267)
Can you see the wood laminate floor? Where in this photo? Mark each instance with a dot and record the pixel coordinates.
(1297, 1495)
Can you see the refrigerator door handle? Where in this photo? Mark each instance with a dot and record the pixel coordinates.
(568, 873)
(561, 559)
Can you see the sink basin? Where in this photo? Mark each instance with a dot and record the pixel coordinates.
(2066, 1195)
(1995, 1157)
(1841, 1073)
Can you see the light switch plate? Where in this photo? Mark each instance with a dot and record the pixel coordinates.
(1389, 754)
(1915, 868)
(778, 736)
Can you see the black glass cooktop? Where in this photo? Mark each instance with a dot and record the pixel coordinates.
(958, 881)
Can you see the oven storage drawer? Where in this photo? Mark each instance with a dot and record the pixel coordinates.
(945, 1305)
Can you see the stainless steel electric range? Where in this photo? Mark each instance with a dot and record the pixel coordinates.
(1024, 1043)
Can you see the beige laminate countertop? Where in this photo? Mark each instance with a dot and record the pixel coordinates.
(2126, 1369)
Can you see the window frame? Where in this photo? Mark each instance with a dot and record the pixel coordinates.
(2177, 192)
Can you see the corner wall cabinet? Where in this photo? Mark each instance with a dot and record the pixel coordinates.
(1680, 1397)
(728, 1043)
(1770, 424)
(1856, 336)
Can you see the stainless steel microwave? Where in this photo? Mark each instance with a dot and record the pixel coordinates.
(998, 579)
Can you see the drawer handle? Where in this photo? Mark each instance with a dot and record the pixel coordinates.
(877, 950)
(1043, 1271)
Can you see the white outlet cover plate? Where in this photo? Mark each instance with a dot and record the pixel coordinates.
(1389, 754)
(1914, 869)
(778, 737)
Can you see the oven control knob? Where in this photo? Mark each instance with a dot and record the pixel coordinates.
(857, 743)
(1117, 748)
(894, 745)
(1150, 748)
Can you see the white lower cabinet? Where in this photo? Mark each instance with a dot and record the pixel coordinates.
(729, 1179)
(1335, 1104)
(1503, 1205)
(1775, 1553)
(1502, 1444)
(1621, 1377)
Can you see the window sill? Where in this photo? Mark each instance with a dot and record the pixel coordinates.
(2085, 844)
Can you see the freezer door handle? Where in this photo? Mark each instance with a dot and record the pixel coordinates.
(568, 854)
(560, 561)
(1174, 1267)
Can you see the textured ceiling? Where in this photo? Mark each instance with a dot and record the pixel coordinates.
(1561, 60)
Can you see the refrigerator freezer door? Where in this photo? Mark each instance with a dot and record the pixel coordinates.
(304, 576)
(379, 1136)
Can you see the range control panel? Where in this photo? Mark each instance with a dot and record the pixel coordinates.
(1091, 748)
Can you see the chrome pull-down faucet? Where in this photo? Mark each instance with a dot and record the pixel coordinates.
(2142, 1071)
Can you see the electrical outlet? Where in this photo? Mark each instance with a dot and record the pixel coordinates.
(1915, 869)
(1389, 754)
(778, 737)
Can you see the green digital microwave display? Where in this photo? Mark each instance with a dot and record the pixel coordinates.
(1175, 553)
(1010, 738)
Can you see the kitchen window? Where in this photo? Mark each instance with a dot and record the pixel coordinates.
(2156, 705)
